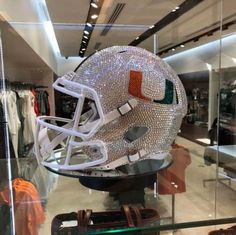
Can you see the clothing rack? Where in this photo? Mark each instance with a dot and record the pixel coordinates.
(16, 85)
(24, 102)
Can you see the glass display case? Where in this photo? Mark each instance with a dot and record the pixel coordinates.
(190, 189)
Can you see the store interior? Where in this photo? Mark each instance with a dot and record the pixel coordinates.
(45, 39)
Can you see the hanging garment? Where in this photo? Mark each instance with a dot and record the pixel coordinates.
(2, 137)
(28, 210)
(29, 116)
(19, 105)
(43, 103)
(5, 221)
(36, 105)
(13, 119)
(172, 179)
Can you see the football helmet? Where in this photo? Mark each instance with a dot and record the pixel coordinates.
(130, 108)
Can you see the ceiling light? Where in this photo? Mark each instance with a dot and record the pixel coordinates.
(84, 41)
(89, 25)
(182, 45)
(173, 10)
(234, 60)
(176, 8)
(173, 49)
(152, 26)
(209, 66)
(137, 38)
(210, 33)
(94, 16)
(86, 32)
(85, 37)
(225, 27)
(93, 4)
(83, 49)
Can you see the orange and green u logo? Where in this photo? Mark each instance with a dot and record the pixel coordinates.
(135, 88)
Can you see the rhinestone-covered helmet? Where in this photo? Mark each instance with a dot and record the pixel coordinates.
(134, 107)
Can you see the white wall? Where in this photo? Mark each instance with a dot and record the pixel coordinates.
(66, 65)
(44, 77)
(25, 18)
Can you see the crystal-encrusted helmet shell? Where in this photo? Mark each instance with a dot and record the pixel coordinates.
(120, 73)
(136, 105)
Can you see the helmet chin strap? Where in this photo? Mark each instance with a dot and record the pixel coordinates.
(121, 111)
(127, 159)
(109, 117)
(130, 159)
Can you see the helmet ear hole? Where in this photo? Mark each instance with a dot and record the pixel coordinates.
(135, 133)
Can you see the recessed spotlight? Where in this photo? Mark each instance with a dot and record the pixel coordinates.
(234, 60)
(173, 10)
(152, 26)
(89, 25)
(93, 4)
(210, 33)
(94, 16)
(86, 32)
(83, 49)
(85, 37)
(137, 38)
(84, 41)
(173, 49)
(182, 45)
(176, 8)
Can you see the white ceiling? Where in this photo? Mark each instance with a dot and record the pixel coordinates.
(69, 17)
(135, 18)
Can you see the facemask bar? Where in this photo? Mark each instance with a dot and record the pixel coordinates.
(81, 166)
(75, 131)
(66, 165)
(72, 129)
(93, 126)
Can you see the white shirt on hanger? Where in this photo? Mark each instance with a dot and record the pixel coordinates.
(29, 115)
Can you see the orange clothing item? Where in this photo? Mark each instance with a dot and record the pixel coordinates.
(172, 179)
(28, 210)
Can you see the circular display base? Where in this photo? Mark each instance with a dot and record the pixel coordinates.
(125, 178)
(119, 185)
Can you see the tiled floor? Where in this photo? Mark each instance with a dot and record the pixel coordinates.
(197, 203)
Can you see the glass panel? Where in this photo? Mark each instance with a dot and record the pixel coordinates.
(188, 187)
(7, 169)
(192, 178)
(226, 122)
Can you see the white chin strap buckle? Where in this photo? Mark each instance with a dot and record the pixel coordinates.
(133, 158)
(121, 111)
(127, 107)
